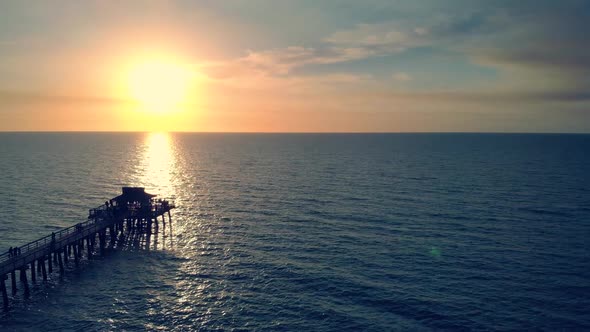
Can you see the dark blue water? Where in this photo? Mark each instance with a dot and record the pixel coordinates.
(312, 232)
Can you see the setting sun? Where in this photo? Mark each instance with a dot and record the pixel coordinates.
(159, 86)
(381, 165)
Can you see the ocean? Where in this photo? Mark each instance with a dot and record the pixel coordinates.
(311, 232)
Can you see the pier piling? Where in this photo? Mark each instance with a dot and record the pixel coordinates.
(43, 271)
(89, 248)
(33, 278)
(3, 290)
(23, 279)
(13, 282)
(76, 258)
(61, 262)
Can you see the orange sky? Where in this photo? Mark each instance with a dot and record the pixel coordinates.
(233, 67)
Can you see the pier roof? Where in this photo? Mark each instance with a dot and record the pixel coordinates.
(133, 194)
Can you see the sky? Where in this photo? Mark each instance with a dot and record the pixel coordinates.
(295, 66)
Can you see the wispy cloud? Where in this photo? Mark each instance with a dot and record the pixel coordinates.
(402, 77)
(20, 97)
(282, 61)
(387, 37)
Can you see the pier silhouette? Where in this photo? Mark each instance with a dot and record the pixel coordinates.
(126, 220)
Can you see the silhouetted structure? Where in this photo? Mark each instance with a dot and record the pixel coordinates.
(126, 220)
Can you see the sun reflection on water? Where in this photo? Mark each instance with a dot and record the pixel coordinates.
(158, 164)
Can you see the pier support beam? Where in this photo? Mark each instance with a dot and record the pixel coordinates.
(76, 255)
(101, 241)
(88, 248)
(149, 225)
(13, 282)
(112, 236)
(43, 271)
(50, 264)
(33, 277)
(59, 260)
(23, 279)
(3, 290)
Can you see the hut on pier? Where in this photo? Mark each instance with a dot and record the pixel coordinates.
(133, 195)
(133, 200)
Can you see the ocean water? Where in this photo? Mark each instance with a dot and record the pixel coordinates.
(310, 232)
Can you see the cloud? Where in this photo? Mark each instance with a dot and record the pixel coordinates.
(281, 61)
(8, 43)
(20, 97)
(370, 35)
(537, 35)
(357, 43)
(494, 96)
(360, 42)
(381, 38)
(539, 49)
(401, 76)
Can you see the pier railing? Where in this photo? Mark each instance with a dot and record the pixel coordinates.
(156, 205)
(44, 241)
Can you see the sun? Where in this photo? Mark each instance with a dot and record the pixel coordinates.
(159, 85)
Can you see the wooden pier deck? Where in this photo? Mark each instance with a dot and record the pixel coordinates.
(108, 226)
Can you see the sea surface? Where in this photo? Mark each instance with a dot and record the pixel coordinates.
(311, 232)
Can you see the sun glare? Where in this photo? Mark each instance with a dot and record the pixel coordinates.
(160, 86)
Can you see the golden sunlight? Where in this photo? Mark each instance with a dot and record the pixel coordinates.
(158, 164)
(160, 86)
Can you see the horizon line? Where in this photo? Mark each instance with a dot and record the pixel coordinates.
(286, 132)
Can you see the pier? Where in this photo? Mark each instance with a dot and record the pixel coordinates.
(127, 219)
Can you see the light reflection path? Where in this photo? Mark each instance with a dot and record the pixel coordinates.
(161, 171)
(158, 165)
(157, 172)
